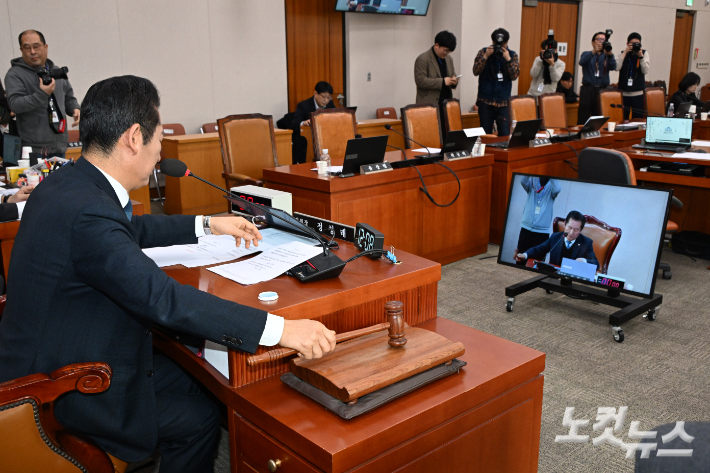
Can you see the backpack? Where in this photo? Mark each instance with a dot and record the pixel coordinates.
(695, 244)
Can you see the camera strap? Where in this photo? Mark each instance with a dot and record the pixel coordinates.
(57, 122)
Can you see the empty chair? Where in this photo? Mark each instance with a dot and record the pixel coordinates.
(170, 129)
(332, 128)
(553, 110)
(420, 122)
(705, 93)
(522, 108)
(654, 101)
(607, 97)
(604, 237)
(613, 167)
(209, 128)
(387, 112)
(452, 115)
(248, 147)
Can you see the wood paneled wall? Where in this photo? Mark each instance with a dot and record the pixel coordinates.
(314, 45)
(680, 59)
(536, 22)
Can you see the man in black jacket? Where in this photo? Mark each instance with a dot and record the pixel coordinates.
(94, 295)
(322, 98)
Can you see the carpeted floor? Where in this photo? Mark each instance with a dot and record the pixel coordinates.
(661, 371)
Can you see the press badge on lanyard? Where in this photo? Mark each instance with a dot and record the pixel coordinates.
(500, 77)
(540, 87)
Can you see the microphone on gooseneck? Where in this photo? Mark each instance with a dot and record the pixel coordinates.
(637, 110)
(564, 234)
(389, 127)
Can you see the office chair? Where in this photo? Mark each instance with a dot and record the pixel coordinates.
(386, 112)
(522, 108)
(248, 147)
(613, 167)
(170, 129)
(705, 93)
(209, 128)
(608, 97)
(452, 115)
(332, 128)
(553, 110)
(421, 122)
(654, 101)
(605, 238)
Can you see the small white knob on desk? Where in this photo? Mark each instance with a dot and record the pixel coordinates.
(274, 465)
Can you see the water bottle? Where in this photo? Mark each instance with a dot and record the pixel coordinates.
(670, 111)
(325, 157)
(477, 147)
(512, 126)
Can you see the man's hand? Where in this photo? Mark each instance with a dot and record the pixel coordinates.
(521, 257)
(451, 81)
(306, 122)
(308, 337)
(21, 195)
(506, 54)
(238, 227)
(596, 47)
(640, 53)
(583, 260)
(550, 61)
(77, 115)
(489, 51)
(47, 89)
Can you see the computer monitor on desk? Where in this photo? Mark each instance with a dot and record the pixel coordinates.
(618, 246)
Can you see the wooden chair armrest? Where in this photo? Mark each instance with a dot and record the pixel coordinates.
(243, 178)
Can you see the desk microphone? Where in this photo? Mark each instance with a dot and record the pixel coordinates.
(636, 110)
(325, 265)
(389, 127)
(357, 135)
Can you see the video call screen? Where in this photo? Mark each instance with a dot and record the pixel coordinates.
(396, 7)
(618, 247)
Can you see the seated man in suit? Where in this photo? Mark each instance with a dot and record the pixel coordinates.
(95, 296)
(570, 244)
(322, 98)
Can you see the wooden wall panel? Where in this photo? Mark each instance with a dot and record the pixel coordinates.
(314, 45)
(681, 50)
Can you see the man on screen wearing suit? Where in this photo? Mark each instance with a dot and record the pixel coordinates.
(570, 244)
(322, 98)
(434, 71)
(93, 295)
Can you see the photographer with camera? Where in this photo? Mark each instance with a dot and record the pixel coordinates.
(497, 68)
(547, 69)
(596, 65)
(634, 66)
(41, 96)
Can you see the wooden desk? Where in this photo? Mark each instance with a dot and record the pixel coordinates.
(694, 192)
(465, 419)
(624, 139)
(203, 155)
(392, 203)
(470, 120)
(701, 130)
(550, 160)
(141, 195)
(8, 231)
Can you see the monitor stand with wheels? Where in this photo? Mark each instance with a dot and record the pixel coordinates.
(630, 306)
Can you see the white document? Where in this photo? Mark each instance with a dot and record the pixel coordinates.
(211, 249)
(474, 132)
(701, 143)
(271, 263)
(424, 150)
(331, 169)
(216, 355)
(702, 156)
(275, 237)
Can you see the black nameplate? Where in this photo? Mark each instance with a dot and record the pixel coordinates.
(340, 231)
(374, 168)
(591, 134)
(454, 155)
(537, 142)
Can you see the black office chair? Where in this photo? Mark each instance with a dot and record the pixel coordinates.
(609, 166)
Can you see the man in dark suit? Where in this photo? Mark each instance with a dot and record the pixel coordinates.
(93, 295)
(569, 244)
(322, 98)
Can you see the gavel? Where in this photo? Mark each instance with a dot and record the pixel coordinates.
(395, 327)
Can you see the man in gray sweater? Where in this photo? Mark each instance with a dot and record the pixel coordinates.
(41, 109)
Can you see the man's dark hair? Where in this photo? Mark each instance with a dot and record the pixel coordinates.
(597, 34)
(690, 79)
(633, 35)
(503, 31)
(112, 106)
(323, 86)
(41, 36)
(574, 215)
(549, 42)
(446, 39)
(566, 76)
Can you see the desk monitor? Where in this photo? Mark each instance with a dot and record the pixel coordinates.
(671, 131)
(683, 110)
(458, 141)
(619, 247)
(524, 132)
(593, 124)
(362, 151)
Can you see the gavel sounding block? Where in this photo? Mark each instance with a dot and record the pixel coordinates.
(358, 367)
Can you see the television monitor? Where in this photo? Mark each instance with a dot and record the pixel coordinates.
(393, 7)
(618, 248)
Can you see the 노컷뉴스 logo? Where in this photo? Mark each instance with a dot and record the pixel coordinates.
(607, 415)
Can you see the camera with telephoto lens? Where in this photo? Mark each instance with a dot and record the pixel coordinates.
(636, 47)
(606, 45)
(550, 47)
(498, 45)
(56, 73)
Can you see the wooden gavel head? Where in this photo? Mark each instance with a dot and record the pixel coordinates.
(395, 317)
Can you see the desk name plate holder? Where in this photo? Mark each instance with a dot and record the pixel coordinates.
(454, 155)
(375, 168)
(321, 225)
(537, 142)
(590, 134)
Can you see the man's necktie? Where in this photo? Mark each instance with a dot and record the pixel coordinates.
(567, 242)
(128, 209)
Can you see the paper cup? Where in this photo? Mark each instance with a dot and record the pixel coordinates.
(322, 167)
(23, 163)
(482, 149)
(704, 115)
(610, 126)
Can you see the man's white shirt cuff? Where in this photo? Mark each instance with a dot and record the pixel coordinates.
(273, 330)
(199, 229)
(20, 208)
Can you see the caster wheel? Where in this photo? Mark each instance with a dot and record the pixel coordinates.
(652, 314)
(509, 305)
(618, 336)
(549, 291)
(667, 275)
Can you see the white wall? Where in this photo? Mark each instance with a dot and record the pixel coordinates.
(208, 58)
(701, 40)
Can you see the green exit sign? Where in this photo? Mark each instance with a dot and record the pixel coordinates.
(689, 3)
